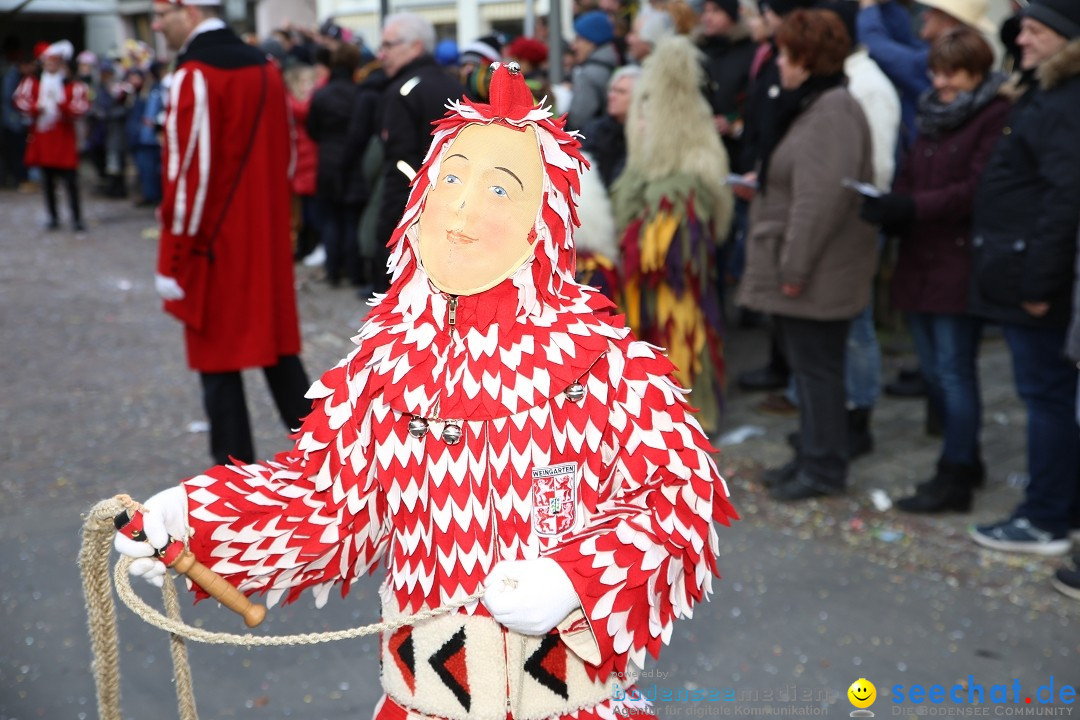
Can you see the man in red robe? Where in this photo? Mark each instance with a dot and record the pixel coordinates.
(225, 260)
(54, 101)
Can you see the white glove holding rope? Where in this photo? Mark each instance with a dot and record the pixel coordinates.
(165, 517)
(529, 596)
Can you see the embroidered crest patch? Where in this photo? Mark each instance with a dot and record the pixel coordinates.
(554, 498)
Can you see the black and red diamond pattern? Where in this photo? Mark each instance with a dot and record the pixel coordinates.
(449, 664)
(401, 647)
(548, 665)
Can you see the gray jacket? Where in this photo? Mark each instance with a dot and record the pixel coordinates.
(590, 80)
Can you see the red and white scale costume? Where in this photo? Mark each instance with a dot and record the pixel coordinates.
(618, 486)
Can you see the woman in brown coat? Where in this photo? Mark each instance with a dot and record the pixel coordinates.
(810, 258)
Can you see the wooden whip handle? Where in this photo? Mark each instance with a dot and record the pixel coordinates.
(218, 588)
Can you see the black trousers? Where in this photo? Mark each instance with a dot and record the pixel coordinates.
(226, 407)
(71, 182)
(815, 351)
(14, 147)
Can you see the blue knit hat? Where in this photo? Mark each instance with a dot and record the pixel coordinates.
(595, 26)
(446, 52)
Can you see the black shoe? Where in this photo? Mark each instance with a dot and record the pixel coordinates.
(908, 384)
(764, 378)
(803, 487)
(975, 474)
(950, 490)
(1067, 580)
(774, 477)
(53, 225)
(79, 226)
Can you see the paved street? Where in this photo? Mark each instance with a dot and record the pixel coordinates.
(97, 400)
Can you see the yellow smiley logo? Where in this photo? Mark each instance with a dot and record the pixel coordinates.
(862, 693)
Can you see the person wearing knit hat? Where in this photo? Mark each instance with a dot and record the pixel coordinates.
(475, 71)
(731, 7)
(729, 54)
(595, 26)
(1061, 16)
(54, 102)
(531, 55)
(446, 52)
(484, 50)
(1025, 227)
(595, 58)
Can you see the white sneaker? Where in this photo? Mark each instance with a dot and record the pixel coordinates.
(315, 258)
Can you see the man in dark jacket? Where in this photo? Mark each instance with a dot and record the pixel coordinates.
(416, 96)
(1025, 228)
(328, 125)
(729, 53)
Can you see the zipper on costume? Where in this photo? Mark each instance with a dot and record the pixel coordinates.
(451, 309)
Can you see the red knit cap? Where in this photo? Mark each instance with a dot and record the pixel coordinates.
(528, 49)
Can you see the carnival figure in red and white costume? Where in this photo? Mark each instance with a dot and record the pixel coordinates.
(496, 427)
(54, 102)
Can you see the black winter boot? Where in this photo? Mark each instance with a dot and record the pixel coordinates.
(860, 441)
(950, 490)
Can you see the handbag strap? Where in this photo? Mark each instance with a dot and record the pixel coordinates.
(209, 250)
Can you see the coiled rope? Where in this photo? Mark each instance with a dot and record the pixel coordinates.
(98, 532)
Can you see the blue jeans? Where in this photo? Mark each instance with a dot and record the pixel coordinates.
(148, 164)
(862, 371)
(948, 348)
(1047, 382)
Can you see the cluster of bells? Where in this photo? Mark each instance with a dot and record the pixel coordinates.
(451, 434)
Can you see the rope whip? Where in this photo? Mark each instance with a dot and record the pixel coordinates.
(98, 530)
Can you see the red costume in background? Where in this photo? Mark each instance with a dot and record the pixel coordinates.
(51, 142)
(225, 218)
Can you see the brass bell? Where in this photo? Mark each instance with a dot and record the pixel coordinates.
(418, 427)
(575, 392)
(451, 434)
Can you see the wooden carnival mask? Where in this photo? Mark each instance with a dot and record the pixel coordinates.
(476, 227)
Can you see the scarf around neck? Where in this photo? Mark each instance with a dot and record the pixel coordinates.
(935, 117)
(789, 105)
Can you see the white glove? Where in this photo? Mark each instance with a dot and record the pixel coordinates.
(168, 288)
(165, 517)
(529, 596)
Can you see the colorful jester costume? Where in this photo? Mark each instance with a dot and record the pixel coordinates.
(519, 422)
(673, 212)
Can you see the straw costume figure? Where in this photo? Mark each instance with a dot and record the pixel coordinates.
(495, 428)
(674, 211)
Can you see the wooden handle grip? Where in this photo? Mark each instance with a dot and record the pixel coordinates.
(219, 588)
